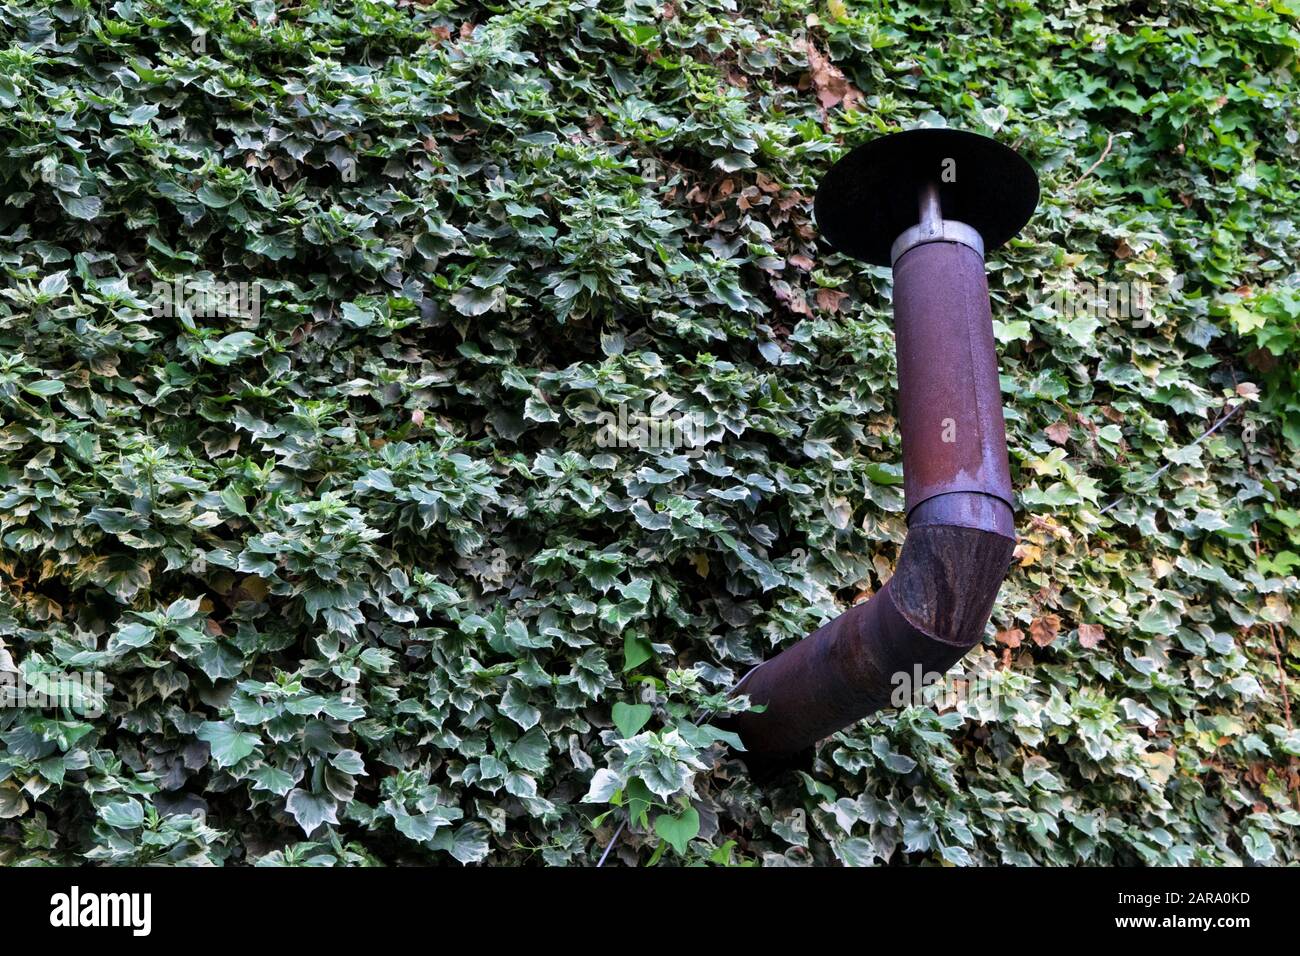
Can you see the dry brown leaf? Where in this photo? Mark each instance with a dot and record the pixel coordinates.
(1058, 432)
(830, 299)
(833, 88)
(1090, 635)
(1044, 629)
(792, 298)
(1011, 637)
(1027, 552)
(1162, 766)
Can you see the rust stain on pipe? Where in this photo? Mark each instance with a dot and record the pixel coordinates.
(949, 400)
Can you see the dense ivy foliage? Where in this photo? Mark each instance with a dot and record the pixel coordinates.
(372, 578)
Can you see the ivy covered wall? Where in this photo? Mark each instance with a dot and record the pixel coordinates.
(414, 417)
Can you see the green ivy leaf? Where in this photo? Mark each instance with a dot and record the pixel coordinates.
(678, 830)
(311, 810)
(636, 651)
(629, 718)
(229, 744)
(123, 814)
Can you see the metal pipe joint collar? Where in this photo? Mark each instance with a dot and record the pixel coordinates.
(942, 230)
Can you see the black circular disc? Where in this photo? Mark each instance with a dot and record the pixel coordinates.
(870, 196)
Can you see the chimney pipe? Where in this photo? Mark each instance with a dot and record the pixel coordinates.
(928, 202)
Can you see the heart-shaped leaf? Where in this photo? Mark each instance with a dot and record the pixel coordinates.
(629, 718)
(679, 830)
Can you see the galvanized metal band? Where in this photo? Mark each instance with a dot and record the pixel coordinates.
(944, 230)
(983, 510)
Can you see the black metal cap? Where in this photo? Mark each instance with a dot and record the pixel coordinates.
(870, 196)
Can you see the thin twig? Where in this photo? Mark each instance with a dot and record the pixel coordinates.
(1110, 141)
(612, 840)
(1281, 673)
(1277, 653)
(1293, 781)
(1204, 435)
(698, 714)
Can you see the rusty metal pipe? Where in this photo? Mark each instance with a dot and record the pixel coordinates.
(949, 398)
(958, 496)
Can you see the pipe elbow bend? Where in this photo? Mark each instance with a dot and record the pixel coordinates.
(947, 579)
(927, 616)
